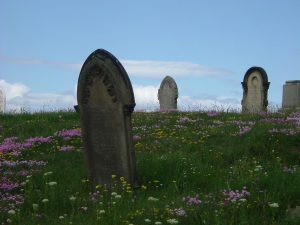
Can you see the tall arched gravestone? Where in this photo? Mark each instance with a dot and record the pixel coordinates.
(168, 94)
(291, 95)
(105, 103)
(255, 90)
(2, 102)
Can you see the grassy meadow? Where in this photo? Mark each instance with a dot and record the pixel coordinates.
(194, 168)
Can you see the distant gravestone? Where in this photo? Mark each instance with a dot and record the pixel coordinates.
(291, 95)
(168, 94)
(105, 103)
(255, 90)
(2, 102)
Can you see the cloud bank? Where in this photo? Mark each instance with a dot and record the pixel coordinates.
(19, 97)
(159, 69)
(138, 68)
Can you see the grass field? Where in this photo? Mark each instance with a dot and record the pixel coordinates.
(194, 168)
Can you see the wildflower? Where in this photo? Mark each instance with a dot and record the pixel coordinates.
(35, 206)
(274, 205)
(70, 133)
(45, 200)
(147, 220)
(178, 212)
(158, 223)
(233, 196)
(48, 173)
(136, 138)
(172, 221)
(289, 170)
(152, 199)
(52, 183)
(212, 114)
(72, 198)
(144, 187)
(114, 193)
(61, 217)
(11, 212)
(118, 196)
(66, 148)
(84, 208)
(192, 200)
(102, 211)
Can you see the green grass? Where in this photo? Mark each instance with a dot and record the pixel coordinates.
(186, 161)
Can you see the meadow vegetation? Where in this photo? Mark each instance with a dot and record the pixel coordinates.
(194, 168)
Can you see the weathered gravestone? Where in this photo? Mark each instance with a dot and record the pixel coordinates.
(105, 103)
(291, 95)
(2, 102)
(255, 90)
(168, 94)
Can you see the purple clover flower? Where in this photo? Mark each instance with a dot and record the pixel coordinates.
(178, 212)
(7, 185)
(10, 201)
(233, 196)
(287, 131)
(29, 163)
(69, 133)
(66, 148)
(136, 138)
(185, 120)
(289, 170)
(212, 113)
(192, 200)
(274, 120)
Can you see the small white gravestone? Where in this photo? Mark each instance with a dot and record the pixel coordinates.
(255, 90)
(291, 95)
(168, 94)
(2, 102)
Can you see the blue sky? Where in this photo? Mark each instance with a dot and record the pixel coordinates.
(206, 46)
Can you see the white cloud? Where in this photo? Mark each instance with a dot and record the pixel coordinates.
(159, 69)
(138, 68)
(18, 96)
(218, 103)
(146, 97)
(13, 90)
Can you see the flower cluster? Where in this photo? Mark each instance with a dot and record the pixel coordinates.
(178, 212)
(212, 113)
(233, 196)
(192, 200)
(286, 131)
(69, 133)
(185, 120)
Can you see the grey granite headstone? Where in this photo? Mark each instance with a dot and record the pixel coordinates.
(255, 91)
(168, 94)
(105, 103)
(291, 95)
(2, 102)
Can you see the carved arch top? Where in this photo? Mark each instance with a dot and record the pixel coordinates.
(103, 65)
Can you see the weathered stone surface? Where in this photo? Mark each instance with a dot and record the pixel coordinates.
(255, 90)
(291, 95)
(168, 94)
(2, 102)
(105, 103)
